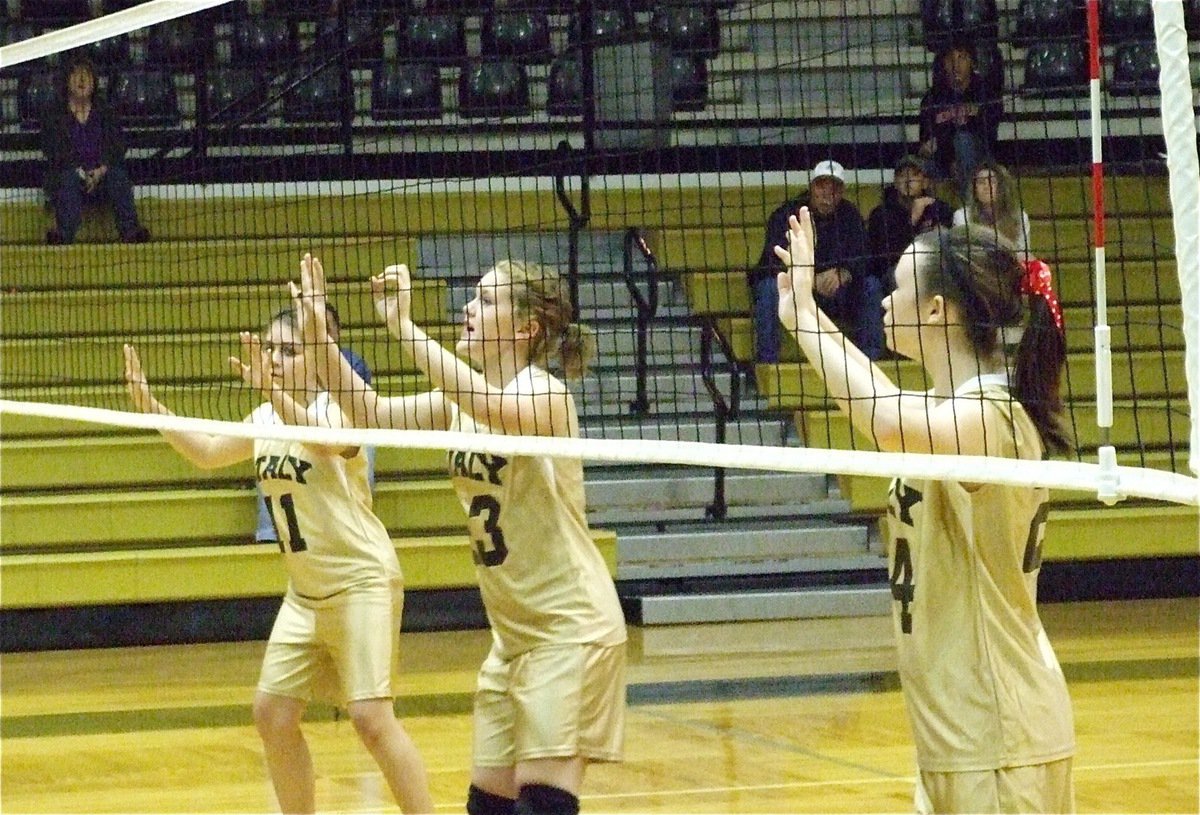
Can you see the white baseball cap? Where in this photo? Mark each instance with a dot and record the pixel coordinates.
(828, 168)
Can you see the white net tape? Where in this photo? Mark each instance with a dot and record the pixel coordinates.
(1131, 481)
(1179, 127)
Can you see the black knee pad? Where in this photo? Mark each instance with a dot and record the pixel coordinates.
(542, 799)
(486, 803)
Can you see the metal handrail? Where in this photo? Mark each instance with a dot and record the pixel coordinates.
(577, 219)
(723, 408)
(646, 305)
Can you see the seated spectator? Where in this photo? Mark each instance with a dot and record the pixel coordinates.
(264, 529)
(846, 289)
(960, 117)
(85, 158)
(908, 209)
(992, 201)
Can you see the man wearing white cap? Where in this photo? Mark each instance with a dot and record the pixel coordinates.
(846, 289)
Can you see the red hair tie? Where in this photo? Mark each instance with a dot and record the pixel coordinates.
(1038, 280)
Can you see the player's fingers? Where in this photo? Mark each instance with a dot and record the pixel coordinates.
(318, 277)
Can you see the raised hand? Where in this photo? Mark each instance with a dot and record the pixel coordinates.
(255, 372)
(308, 301)
(135, 382)
(392, 292)
(799, 259)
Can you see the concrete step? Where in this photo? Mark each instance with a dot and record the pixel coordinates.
(663, 387)
(770, 432)
(657, 496)
(666, 344)
(869, 600)
(719, 551)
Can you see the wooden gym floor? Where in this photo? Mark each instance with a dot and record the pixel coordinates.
(755, 717)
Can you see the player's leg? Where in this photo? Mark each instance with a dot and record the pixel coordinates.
(493, 789)
(394, 751)
(362, 636)
(283, 686)
(289, 762)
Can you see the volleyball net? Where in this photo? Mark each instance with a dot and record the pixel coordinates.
(638, 147)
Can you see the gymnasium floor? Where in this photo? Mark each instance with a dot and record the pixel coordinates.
(758, 717)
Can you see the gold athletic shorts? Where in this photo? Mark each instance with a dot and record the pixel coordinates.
(1034, 788)
(555, 701)
(339, 650)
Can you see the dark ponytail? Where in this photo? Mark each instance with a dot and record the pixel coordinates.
(1041, 354)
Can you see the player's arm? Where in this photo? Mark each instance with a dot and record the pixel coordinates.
(205, 450)
(359, 402)
(534, 407)
(896, 420)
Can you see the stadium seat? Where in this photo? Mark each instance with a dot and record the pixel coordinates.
(317, 98)
(441, 37)
(689, 82)
(259, 41)
(493, 87)
(35, 91)
(989, 63)
(1057, 68)
(11, 32)
(233, 94)
(300, 9)
(1039, 19)
(109, 54)
(56, 13)
(946, 20)
(173, 43)
(1124, 20)
(459, 6)
(688, 29)
(145, 98)
(609, 21)
(523, 35)
(406, 90)
(1135, 69)
(362, 37)
(394, 8)
(564, 86)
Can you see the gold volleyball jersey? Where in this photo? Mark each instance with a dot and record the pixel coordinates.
(982, 685)
(320, 502)
(541, 576)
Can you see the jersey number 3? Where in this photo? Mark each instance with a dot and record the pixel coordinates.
(489, 548)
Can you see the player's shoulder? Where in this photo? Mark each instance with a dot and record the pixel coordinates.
(264, 414)
(536, 380)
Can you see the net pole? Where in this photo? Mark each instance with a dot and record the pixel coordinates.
(1183, 168)
(1107, 488)
(101, 28)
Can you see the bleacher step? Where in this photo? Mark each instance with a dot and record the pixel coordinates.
(779, 604)
(717, 552)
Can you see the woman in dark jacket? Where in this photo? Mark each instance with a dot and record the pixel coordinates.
(85, 157)
(960, 115)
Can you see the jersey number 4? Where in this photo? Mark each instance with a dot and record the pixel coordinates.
(489, 548)
(295, 541)
(901, 580)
